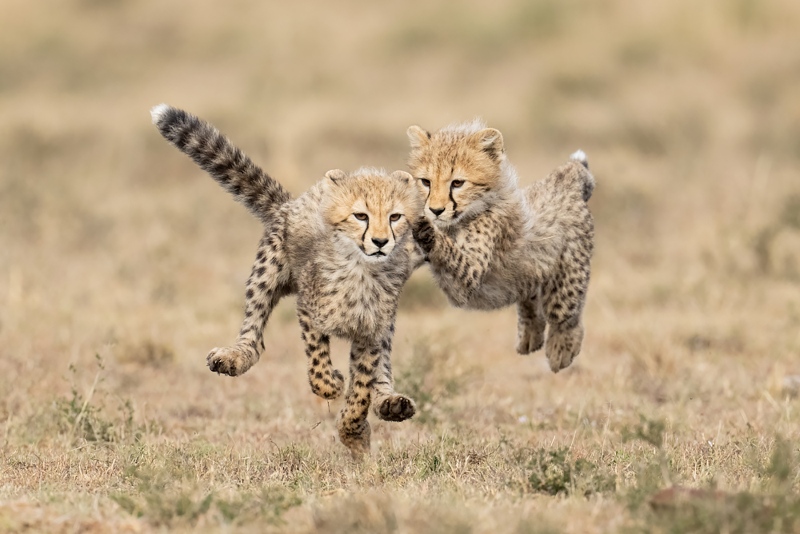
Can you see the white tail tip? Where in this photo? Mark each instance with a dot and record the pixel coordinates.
(579, 155)
(158, 111)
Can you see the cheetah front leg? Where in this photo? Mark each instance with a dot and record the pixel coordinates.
(325, 381)
(354, 430)
(531, 323)
(387, 404)
(459, 268)
(265, 287)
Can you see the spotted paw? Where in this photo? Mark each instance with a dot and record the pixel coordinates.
(563, 347)
(232, 361)
(530, 340)
(395, 408)
(327, 385)
(356, 437)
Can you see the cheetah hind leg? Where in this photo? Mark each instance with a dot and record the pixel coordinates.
(564, 299)
(564, 343)
(531, 323)
(263, 293)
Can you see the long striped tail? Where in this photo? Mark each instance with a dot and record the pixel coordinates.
(216, 155)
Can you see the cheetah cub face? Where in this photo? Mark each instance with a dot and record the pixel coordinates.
(457, 172)
(370, 212)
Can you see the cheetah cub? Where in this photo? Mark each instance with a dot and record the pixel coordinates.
(491, 244)
(345, 249)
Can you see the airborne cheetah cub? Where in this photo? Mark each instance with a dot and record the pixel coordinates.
(493, 244)
(344, 247)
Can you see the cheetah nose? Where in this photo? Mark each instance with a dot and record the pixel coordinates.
(379, 242)
(437, 212)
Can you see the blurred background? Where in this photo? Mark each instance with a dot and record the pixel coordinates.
(114, 244)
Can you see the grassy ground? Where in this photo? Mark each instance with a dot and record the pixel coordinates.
(121, 264)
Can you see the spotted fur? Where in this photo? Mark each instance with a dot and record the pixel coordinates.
(491, 244)
(344, 247)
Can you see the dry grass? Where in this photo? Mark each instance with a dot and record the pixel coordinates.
(121, 264)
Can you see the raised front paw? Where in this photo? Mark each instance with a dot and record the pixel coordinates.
(328, 385)
(232, 361)
(395, 408)
(424, 235)
(530, 340)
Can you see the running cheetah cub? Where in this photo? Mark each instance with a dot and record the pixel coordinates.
(491, 244)
(344, 247)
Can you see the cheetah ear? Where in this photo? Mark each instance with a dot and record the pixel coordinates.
(403, 176)
(491, 142)
(335, 175)
(418, 136)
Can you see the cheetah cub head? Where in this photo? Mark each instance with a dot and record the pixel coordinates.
(370, 211)
(459, 169)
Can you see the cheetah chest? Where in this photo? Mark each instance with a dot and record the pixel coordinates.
(354, 302)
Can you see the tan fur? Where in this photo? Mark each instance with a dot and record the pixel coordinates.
(345, 248)
(491, 244)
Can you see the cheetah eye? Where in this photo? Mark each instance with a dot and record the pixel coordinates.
(361, 216)
(394, 217)
(425, 182)
(455, 184)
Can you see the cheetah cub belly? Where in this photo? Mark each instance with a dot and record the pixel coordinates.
(344, 247)
(491, 244)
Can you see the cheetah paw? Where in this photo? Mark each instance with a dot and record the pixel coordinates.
(231, 361)
(356, 439)
(563, 347)
(396, 408)
(530, 340)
